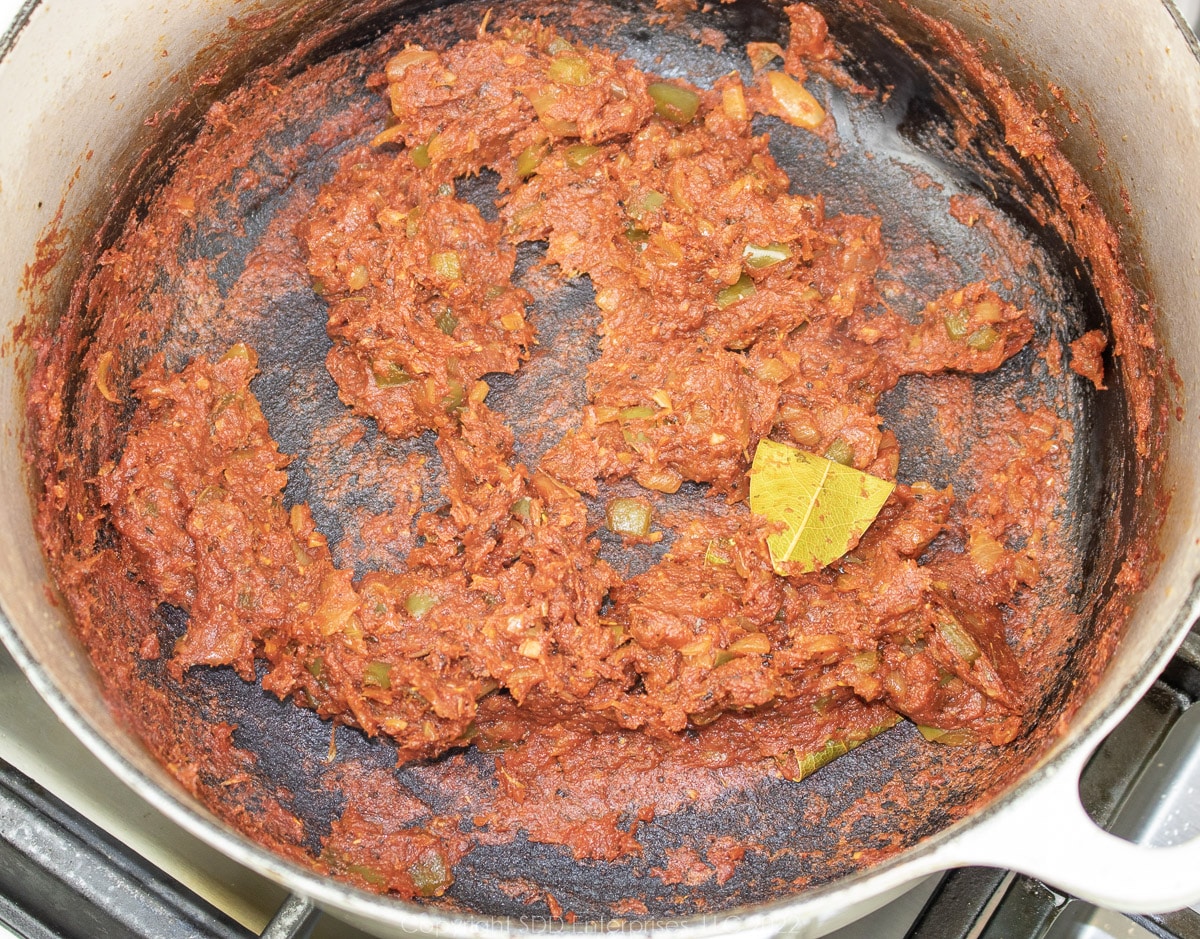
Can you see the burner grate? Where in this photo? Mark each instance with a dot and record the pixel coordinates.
(61, 877)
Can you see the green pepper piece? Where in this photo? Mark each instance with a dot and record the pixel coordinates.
(956, 737)
(760, 256)
(430, 876)
(529, 159)
(378, 675)
(420, 156)
(577, 155)
(840, 451)
(446, 321)
(642, 205)
(674, 102)
(797, 765)
(639, 412)
(956, 324)
(453, 399)
(367, 873)
(736, 292)
(418, 604)
(983, 339)
(389, 374)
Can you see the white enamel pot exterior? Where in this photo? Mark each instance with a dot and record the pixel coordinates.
(77, 83)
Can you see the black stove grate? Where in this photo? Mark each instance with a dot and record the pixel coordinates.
(62, 877)
(983, 903)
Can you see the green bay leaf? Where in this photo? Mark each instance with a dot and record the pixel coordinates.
(824, 507)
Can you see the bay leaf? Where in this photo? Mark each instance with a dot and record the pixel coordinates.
(824, 507)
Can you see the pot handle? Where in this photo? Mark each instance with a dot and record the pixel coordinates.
(1046, 833)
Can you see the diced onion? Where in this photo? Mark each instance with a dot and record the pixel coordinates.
(629, 517)
(958, 639)
(796, 103)
(103, 366)
(570, 70)
(751, 644)
(733, 103)
(446, 265)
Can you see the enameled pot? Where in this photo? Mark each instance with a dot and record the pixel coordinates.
(78, 87)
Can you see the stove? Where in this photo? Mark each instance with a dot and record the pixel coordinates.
(83, 857)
